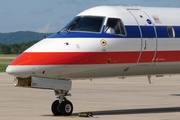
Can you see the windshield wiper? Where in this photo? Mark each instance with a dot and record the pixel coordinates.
(58, 32)
(71, 26)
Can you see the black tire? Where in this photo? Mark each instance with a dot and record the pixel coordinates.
(66, 108)
(54, 108)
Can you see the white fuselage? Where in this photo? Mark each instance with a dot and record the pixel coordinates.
(147, 44)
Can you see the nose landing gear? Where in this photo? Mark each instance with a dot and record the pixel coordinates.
(62, 106)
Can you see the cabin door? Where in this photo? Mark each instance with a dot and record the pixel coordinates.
(148, 37)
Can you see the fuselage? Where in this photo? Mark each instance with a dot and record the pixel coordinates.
(107, 41)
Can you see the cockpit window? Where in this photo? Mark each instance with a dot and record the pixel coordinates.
(85, 23)
(115, 26)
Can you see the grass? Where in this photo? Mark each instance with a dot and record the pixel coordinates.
(5, 60)
(8, 55)
(3, 67)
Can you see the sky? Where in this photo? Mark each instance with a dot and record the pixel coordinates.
(49, 16)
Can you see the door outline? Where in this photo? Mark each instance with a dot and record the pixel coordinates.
(144, 40)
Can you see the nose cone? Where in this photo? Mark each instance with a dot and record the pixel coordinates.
(20, 71)
(21, 66)
(12, 70)
(9, 70)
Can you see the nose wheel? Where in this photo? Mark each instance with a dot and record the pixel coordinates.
(61, 106)
(54, 108)
(66, 108)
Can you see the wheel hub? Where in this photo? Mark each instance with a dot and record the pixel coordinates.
(68, 108)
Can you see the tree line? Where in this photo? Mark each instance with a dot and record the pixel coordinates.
(15, 48)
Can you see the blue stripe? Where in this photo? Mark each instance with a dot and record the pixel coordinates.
(177, 31)
(131, 32)
(162, 32)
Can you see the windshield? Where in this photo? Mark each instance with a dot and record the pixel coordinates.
(85, 23)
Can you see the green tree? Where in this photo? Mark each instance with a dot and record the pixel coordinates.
(23, 48)
(15, 49)
(5, 49)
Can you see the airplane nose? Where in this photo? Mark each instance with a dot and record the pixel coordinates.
(12, 70)
(20, 71)
(21, 66)
(9, 70)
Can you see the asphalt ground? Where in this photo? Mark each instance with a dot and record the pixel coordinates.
(132, 98)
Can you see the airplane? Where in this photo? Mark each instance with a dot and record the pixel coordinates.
(103, 41)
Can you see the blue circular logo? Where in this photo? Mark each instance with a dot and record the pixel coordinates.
(149, 21)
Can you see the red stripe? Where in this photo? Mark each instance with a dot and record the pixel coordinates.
(60, 58)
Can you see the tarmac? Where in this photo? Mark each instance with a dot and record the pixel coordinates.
(132, 98)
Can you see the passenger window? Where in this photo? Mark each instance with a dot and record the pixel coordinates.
(115, 26)
(171, 31)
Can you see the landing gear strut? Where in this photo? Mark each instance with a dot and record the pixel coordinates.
(62, 106)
